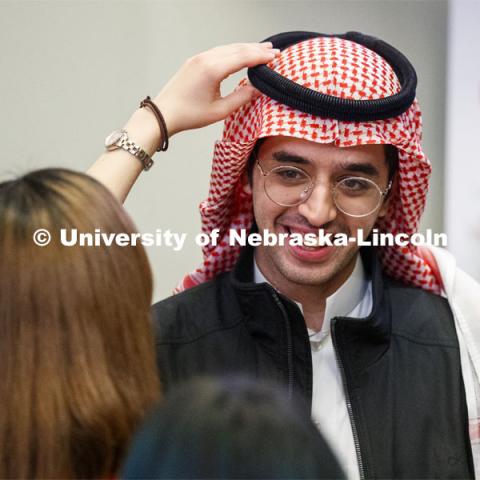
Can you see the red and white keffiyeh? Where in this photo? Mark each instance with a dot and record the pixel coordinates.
(340, 68)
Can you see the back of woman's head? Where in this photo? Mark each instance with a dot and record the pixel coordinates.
(230, 428)
(76, 348)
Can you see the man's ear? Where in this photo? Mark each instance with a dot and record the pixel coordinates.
(247, 187)
(386, 202)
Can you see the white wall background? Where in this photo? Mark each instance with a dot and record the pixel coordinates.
(462, 213)
(71, 71)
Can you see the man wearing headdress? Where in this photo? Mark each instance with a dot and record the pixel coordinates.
(387, 364)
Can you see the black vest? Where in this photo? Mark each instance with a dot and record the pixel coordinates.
(400, 365)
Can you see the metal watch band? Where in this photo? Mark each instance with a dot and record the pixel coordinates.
(136, 151)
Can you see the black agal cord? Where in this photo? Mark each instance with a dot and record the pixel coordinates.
(306, 100)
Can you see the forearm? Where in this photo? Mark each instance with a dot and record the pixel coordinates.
(118, 170)
(191, 99)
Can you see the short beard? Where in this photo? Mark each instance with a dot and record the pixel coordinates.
(300, 277)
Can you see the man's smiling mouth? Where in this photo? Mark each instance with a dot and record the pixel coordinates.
(309, 238)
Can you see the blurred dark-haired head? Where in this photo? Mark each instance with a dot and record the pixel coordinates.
(230, 428)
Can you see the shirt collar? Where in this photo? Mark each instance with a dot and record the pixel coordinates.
(341, 302)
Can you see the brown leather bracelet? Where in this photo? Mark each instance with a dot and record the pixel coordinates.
(147, 102)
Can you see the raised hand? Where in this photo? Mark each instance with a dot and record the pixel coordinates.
(192, 98)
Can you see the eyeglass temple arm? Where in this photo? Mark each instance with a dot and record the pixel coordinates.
(260, 167)
(389, 186)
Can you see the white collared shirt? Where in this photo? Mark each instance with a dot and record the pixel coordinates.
(329, 406)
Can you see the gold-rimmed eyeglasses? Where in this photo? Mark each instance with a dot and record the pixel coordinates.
(289, 186)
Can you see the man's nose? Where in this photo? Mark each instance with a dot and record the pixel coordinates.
(319, 209)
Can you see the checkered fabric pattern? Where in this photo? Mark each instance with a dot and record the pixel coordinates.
(340, 68)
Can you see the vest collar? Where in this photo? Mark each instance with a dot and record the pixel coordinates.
(376, 327)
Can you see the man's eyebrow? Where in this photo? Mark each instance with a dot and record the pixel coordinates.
(286, 157)
(354, 167)
(365, 168)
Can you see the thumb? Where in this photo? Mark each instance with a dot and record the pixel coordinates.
(240, 96)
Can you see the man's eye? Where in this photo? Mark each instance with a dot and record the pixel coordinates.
(290, 175)
(354, 185)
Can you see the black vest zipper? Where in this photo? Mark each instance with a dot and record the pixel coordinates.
(348, 401)
(340, 366)
(289, 341)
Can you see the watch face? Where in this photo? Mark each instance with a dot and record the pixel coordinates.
(113, 138)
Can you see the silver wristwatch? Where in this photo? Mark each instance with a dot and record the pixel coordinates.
(119, 139)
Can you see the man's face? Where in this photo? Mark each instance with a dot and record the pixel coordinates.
(289, 267)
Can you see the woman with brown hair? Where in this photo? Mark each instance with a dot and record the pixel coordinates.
(77, 355)
(77, 361)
